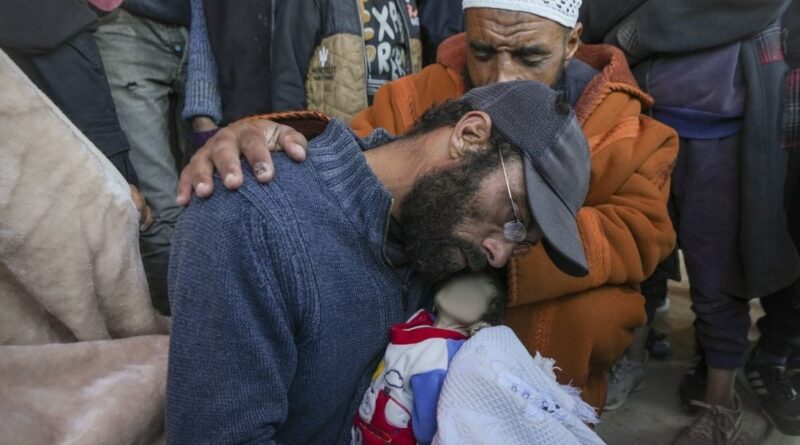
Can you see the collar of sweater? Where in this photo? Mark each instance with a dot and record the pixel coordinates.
(337, 157)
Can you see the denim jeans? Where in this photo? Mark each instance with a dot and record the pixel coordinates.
(146, 66)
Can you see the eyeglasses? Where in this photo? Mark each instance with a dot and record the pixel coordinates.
(513, 231)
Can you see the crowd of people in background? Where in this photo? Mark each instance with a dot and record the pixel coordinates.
(691, 111)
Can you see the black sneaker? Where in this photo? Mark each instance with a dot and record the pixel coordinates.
(658, 345)
(693, 385)
(780, 401)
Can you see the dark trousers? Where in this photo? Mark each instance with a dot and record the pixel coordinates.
(704, 187)
(655, 288)
(73, 77)
(705, 190)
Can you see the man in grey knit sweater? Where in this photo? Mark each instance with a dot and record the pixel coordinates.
(283, 293)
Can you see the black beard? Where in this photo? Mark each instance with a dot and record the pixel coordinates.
(560, 84)
(436, 207)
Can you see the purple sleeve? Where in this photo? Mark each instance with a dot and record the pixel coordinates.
(426, 388)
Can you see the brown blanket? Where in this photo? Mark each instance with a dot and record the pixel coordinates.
(71, 280)
(97, 392)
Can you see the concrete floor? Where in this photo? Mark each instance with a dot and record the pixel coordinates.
(653, 415)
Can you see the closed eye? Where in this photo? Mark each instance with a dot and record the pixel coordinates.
(532, 56)
(482, 51)
(531, 63)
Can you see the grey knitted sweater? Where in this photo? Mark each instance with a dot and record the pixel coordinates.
(282, 298)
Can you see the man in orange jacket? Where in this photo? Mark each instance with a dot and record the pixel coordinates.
(585, 323)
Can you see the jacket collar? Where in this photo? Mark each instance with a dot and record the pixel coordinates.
(614, 76)
(337, 157)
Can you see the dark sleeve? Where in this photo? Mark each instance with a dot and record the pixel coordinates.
(599, 17)
(240, 34)
(297, 32)
(72, 75)
(38, 26)
(174, 12)
(438, 19)
(681, 26)
(232, 350)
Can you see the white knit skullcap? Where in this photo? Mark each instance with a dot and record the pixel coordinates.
(564, 12)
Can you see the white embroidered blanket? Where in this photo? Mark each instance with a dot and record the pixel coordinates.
(496, 393)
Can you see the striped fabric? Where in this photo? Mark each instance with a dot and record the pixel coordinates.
(769, 46)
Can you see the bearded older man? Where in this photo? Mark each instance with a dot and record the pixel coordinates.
(586, 322)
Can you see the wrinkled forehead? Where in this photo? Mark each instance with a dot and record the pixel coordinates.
(499, 27)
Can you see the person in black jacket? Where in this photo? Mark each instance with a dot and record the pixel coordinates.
(53, 43)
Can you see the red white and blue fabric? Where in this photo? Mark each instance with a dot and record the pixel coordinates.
(400, 404)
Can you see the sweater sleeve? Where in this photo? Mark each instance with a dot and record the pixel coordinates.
(625, 225)
(427, 387)
(202, 85)
(232, 349)
(297, 31)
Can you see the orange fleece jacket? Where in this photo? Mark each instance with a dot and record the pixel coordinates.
(624, 223)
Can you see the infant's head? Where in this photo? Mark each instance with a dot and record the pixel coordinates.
(470, 301)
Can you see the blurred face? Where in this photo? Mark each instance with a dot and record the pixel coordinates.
(508, 45)
(453, 219)
(466, 299)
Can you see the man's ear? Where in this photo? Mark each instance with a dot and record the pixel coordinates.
(573, 42)
(471, 132)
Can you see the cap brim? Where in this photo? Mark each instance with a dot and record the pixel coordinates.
(562, 240)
